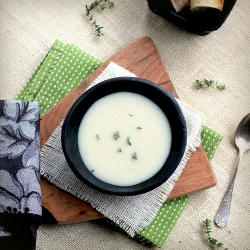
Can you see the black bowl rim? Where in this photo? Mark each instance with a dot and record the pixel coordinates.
(120, 190)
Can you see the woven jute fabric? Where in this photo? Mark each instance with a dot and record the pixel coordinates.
(29, 28)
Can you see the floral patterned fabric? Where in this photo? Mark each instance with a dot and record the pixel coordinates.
(20, 193)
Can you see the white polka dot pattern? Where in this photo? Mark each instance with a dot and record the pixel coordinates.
(63, 68)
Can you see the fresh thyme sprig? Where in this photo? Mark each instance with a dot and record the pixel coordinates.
(102, 4)
(215, 244)
(209, 83)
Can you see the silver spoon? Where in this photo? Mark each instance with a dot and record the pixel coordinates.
(242, 141)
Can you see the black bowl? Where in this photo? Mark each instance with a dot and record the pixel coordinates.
(136, 85)
(201, 23)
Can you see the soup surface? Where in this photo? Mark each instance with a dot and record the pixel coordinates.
(124, 138)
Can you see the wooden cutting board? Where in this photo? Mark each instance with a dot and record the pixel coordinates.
(141, 58)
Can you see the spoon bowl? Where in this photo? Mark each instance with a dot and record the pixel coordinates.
(242, 134)
(242, 141)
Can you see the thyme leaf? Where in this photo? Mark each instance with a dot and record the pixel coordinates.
(97, 137)
(134, 156)
(221, 86)
(128, 141)
(116, 135)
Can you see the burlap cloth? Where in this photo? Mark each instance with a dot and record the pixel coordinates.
(131, 213)
(29, 28)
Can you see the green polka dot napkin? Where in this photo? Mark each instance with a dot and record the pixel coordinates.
(62, 69)
(159, 229)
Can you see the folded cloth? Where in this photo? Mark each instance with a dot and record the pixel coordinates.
(20, 193)
(44, 75)
(63, 68)
(131, 213)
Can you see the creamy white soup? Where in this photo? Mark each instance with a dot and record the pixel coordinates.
(124, 138)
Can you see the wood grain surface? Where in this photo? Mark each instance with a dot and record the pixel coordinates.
(141, 58)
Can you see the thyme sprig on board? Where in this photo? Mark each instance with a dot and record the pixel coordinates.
(215, 244)
(102, 5)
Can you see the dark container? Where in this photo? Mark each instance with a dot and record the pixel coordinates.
(201, 23)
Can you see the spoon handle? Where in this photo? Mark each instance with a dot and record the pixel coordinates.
(222, 215)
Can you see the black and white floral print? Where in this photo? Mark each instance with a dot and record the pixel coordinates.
(20, 192)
